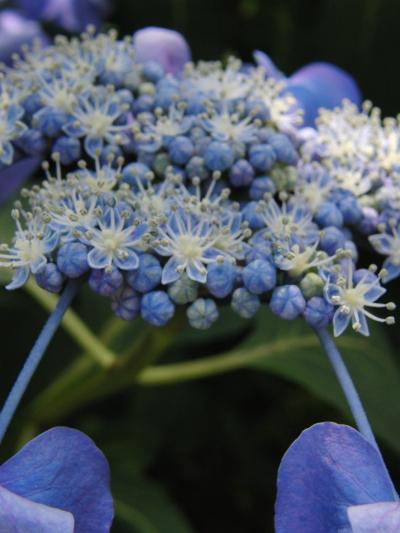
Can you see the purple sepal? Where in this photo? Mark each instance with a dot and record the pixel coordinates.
(329, 468)
(322, 85)
(163, 46)
(62, 468)
(15, 31)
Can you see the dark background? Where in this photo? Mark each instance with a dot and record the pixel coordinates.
(361, 36)
(214, 446)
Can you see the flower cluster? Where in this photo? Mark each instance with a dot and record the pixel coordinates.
(197, 189)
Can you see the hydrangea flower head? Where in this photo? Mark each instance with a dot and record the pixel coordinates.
(181, 189)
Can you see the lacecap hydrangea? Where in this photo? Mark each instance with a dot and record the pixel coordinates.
(198, 190)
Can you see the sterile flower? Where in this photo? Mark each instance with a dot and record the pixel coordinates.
(166, 47)
(59, 481)
(333, 480)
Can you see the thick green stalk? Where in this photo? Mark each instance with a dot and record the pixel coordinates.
(218, 364)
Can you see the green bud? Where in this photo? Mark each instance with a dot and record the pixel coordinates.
(160, 164)
(311, 285)
(284, 177)
(183, 291)
(147, 89)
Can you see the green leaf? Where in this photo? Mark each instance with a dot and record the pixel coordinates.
(369, 360)
(144, 507)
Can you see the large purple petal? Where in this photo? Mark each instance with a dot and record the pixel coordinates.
(327, 469)
(322, 85)
(371, 518)
(63, 468)
(15, 31)
(18, 514)
(166, 47)
(13, 176)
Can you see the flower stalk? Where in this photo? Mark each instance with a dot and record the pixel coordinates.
(347, 385)
(35, 356)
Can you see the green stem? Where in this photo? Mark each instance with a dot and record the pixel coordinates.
(143, 351)
(75, 327)
(218, 364)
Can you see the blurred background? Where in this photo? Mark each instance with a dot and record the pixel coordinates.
(360, 36)
(202, 456)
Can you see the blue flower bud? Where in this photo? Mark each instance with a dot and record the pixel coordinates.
(110, 150)
(166, 97)
(144, 103)
(241, 173)
(244, 303)
(125, 96)
(32, 142)
(197, 135)
(183, 291)
(133, 172)
(153, 71)
(104, 282)
(50, 278)
(202, 313)
(50, 121)
(219, 156)
(329, 215)
(257, 109)
(221, 278)
(318, 312)
(180, 150)
(350, 210)
(369, 221)
(262, 157)
(287, 302)
(196, 168)
(251, 216)
(126, 304)
(156, 308)
(69, 149)
(260, 186)
(332, 239)
(32, 103)
(147, 276)
(284, 148)
(197, 104)
(72, 259)
(259, 276)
